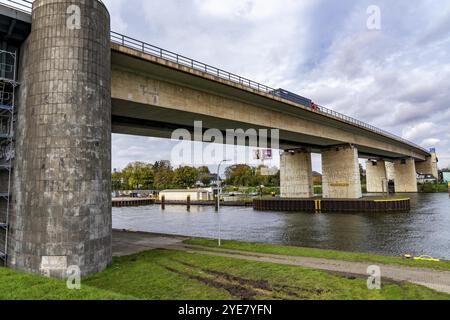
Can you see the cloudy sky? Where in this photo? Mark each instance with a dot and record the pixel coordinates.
(396, 78)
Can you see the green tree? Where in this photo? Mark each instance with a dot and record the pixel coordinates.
(204, 175)
(117, 181)
(138, 175)
(185, 177)
(240, 175)
(163, 175)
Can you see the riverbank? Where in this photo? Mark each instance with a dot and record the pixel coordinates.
(319, 253)
(159, 267)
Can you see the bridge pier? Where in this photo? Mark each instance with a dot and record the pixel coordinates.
(429, 166)
(390, 170)
(62, 182)
(296, 175)
(341, 175)
(376, 175)
(405, 176)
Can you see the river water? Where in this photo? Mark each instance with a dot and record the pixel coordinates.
(424, 230)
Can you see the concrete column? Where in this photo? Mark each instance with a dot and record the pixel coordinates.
(429, 166)
(405, 176)
(390, 171)
(341, 175)
(376, 176)
(62, 181)
(296, 175)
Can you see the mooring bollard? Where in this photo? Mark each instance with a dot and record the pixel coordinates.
(216, 203)
(188, 202)
(163, 203)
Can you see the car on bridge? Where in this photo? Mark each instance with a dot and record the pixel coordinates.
(284, 94)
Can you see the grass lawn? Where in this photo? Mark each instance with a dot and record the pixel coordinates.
(163, 274)
(318, 253)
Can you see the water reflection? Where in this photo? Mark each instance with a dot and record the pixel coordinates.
(424, 230)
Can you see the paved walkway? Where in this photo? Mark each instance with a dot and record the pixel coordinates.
(126, 243)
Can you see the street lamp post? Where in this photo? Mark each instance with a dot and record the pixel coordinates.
(219, 185)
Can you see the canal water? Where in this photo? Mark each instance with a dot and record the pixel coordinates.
(424, 230)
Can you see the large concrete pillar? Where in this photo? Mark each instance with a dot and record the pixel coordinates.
(429, 166)
(62, 192)
(390, 171)
(376, 176)
(341, 174)
(296, 175)
(405, 176)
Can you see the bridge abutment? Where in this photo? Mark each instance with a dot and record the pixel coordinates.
(341, 174)
(376, 176)
(296, 175)
(405, 176)
(62, 182)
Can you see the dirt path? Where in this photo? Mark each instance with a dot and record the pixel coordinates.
(130, 243)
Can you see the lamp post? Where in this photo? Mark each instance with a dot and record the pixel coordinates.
(219, 185)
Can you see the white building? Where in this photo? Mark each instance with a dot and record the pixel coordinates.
(182, 195)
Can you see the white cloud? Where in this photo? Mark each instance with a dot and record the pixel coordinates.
(115, 10)
(431, 142)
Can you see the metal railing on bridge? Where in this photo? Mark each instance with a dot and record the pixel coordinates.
(150, 49)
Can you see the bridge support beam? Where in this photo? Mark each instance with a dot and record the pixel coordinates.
(296, 175)
(376, 176)
(341, 175)
(429, 166)
(62, 181)
(405, 176)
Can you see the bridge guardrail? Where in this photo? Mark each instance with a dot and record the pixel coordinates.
(147, 48)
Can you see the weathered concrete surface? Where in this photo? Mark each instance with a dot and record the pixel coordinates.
(390, 170)
(341, 175)
(62, 181)
(430, 166)
(376, 176)
(405, 176)
(296, 175)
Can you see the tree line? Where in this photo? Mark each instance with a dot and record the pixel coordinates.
(161, 176)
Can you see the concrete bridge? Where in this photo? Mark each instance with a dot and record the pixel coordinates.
(77, 82)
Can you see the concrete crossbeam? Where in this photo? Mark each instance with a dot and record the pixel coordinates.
(341, 175)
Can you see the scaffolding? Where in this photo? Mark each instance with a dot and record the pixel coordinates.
(8, 85)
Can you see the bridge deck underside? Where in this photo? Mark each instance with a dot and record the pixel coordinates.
(141, 120)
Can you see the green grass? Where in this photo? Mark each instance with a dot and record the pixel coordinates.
(319, 253)
(163, 274)
(17, 285)
(433, 187)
